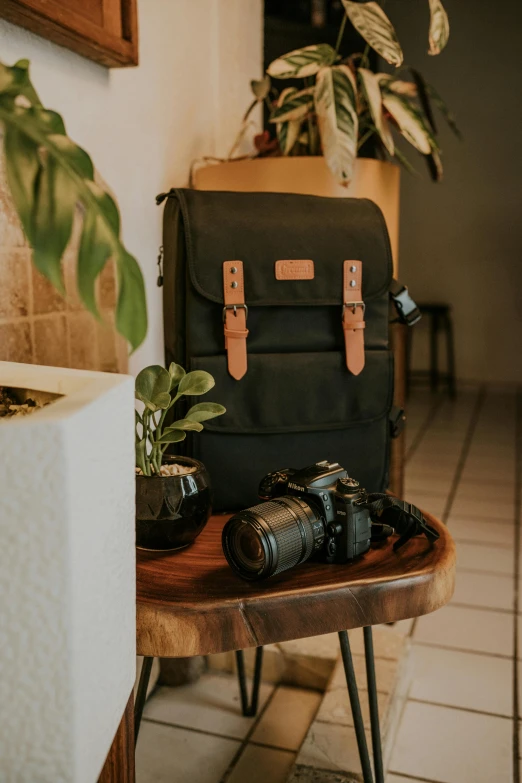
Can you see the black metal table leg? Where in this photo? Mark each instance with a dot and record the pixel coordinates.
(249, 708)
(141, 694)
(374, 706)
(355, 704)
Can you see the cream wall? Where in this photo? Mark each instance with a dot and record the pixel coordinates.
(143, 126)
(461, 240)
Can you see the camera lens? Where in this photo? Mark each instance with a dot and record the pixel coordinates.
(272, 537)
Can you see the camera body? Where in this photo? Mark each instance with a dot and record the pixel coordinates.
(342, 528)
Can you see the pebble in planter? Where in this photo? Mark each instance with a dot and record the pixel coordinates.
(173, 500)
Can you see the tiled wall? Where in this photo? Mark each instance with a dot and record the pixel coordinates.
(37, 325)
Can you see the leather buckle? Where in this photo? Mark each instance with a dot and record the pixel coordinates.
(234, 307)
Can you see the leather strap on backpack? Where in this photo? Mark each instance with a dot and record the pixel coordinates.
(353, 316)
(235, 314)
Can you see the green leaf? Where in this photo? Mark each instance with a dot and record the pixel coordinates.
(15, 81)
(96, 245)
(172, 436)
(410, 123)
(261, 88)
(48, 176)
(141, 455)
(287, 135)
(22, 167)
(398, 86)
(442, 107)
(137, 418)
(293, 105)
(195, 383)
(152, 387)
(55, 199)
(372, 92)
(176, 373)
(131, 308)
(435, 166)
(205, 410)
(287, 132)
(185, 424)
(302, 62)
(424, 100)
(373, 25)
(335, 104)
(439, 27)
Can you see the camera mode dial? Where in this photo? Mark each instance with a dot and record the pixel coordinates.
(347, 486)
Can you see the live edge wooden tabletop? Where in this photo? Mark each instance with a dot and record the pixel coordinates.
(191, 603)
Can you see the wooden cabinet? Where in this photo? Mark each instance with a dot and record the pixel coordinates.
(103, 30)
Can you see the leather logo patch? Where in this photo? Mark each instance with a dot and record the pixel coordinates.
(294, 270)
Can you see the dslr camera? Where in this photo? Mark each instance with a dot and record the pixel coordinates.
(319, 510)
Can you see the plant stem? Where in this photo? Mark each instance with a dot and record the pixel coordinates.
(364, 138)
(341, 33)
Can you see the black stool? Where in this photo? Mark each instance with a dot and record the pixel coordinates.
(440, 318)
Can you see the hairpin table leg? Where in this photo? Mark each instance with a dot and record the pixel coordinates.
(374, 706)
(141, 694)
(355, 704)
(249, 709)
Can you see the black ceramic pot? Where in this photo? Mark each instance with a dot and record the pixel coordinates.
(171, 511)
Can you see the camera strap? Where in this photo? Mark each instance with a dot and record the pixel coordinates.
(402, 517)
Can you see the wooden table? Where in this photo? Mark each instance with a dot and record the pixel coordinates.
(191, 603)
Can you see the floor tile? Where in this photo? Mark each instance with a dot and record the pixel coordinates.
(404, 627)
(330, 747)
(169, 755)
(493, 559)
(432, 486)
(500, 493)
(471, 488)
(483, 509)
(489, 591)
(467, 629)
(461, 679)
(211, 704)
(484, 531)
(453, 746)
(335, 707)
(286, 720)
(262, 765)
(490, 474)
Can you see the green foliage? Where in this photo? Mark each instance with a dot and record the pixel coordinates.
(159, 390)
(343, 103)
(49, 176)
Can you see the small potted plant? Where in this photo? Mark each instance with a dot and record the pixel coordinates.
(173, 501)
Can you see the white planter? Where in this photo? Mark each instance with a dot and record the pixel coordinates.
(67, 574)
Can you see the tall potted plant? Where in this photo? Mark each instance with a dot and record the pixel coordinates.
(341, 111)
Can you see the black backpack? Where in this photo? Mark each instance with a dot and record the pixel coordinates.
(305, 388)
